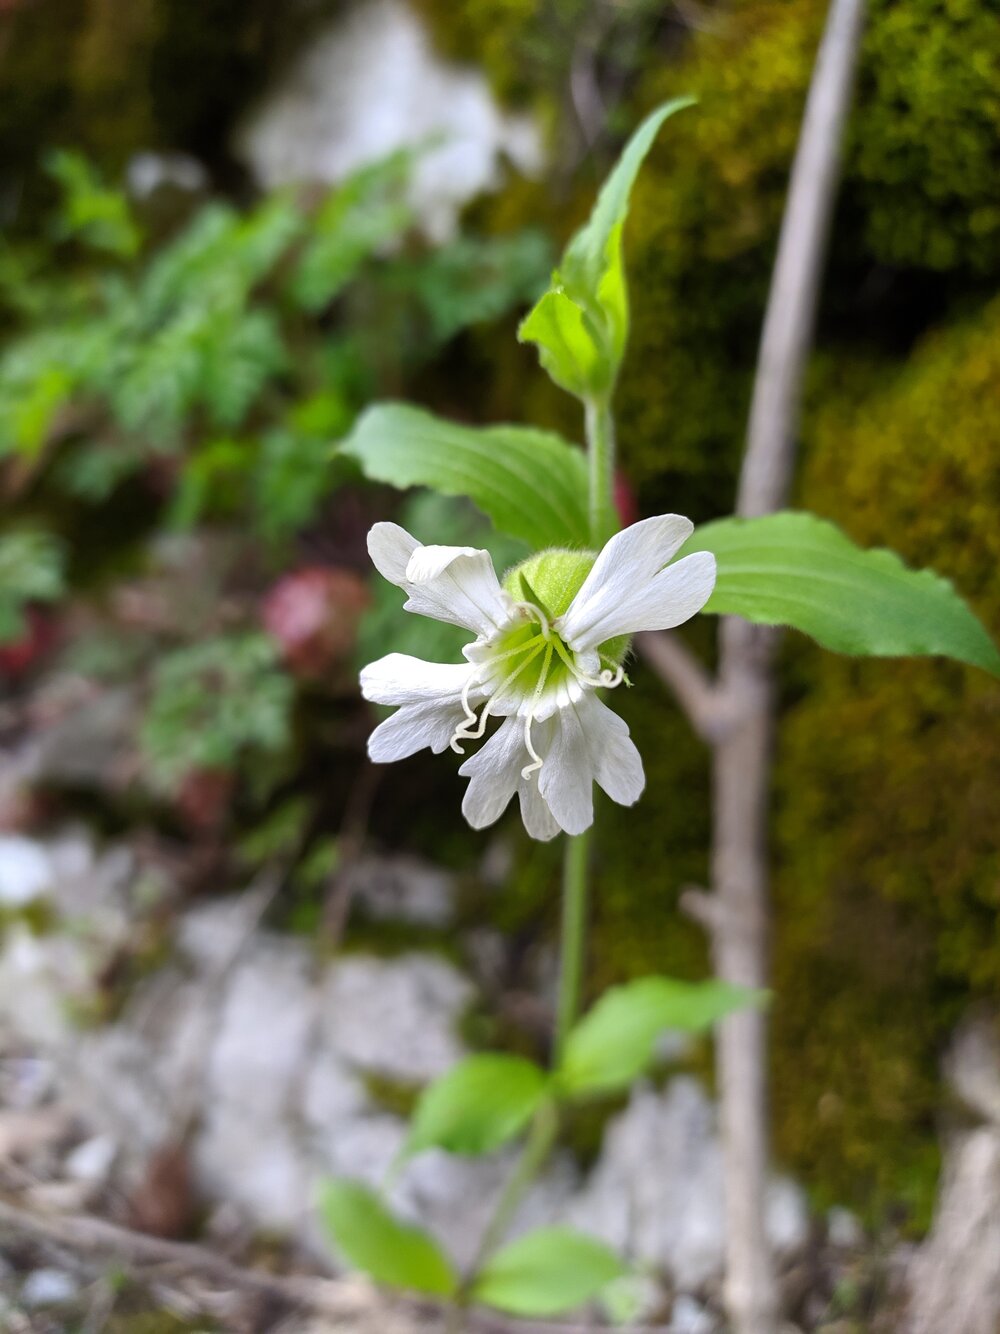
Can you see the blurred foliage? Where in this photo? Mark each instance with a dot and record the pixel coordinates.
(214, 705)
(196, 383)
(31, 570)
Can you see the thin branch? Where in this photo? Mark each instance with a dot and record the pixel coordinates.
(680, 671)
(786, 340)
(342, 1301)
(346, 1302)
(742, 759)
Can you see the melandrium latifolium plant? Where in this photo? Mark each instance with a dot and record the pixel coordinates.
(544, 642)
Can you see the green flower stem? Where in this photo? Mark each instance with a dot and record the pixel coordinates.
(600, 428)
(573, 936)
(545, 1124)
(541, 1138)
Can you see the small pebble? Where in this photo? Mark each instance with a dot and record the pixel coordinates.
(91, 1161)
(48, 1287)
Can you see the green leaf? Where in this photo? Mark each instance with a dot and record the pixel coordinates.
(613, 1042)
(531, 484)
(585, 262)
(391, 1252)
(580, 325)
(550, 1270)
(796, 569)
(478, 1105)
(566, 348)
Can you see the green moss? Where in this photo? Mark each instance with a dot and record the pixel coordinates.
(888, 888)
(392, 1095)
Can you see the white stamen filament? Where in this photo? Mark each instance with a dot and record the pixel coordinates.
(472, 728)
(543, 676)
(462, 731)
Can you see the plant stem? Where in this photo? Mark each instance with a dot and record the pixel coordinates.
(541, 1137)
(545, 1124)
(573, 936)
(600, 430)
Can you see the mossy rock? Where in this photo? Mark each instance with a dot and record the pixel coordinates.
(888, 889)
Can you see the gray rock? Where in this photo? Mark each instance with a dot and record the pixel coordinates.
(395, 1017)
(40, 978)
(266, 1022)
(844, 1230)
(25, 871)
(972, 1064)
(372, 84)
(690, 1317)
(402, 889)
(91, 1161)
(89, 745)
(656, 1193)
(253, 1161)
(955, 1277)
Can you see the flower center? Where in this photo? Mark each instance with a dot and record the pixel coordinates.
(528, 669)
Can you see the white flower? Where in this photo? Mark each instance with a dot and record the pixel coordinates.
(555, 632)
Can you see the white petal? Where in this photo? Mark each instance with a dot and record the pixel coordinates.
(566, 779)
(617, 765)
(624, 606)
(390, 548)
(400, 679)
(629, 561)
(413, 727)
(494, 771)
(458, 585)
(538, 819)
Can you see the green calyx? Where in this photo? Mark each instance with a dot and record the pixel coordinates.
(550, 581)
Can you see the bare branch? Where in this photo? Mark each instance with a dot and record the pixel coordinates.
(352, 1303)
(742, 758)
(769, 461)
(682, 674)
(341, 1301)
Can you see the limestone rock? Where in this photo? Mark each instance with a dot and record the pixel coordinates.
(395, 1017)
(656, 1193)
(371, 84)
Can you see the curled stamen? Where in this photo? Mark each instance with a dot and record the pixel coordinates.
(607, 679)
(529, 769)
(470, 714)
(543, 676)
(462, 731)
(539, 616)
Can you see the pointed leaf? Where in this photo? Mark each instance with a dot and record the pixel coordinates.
(478, 1105)
(550, 1270)
(614, 1041)
(580, 325)
(391, 1252)
(798, 570)
(586, 259)
(532, 484)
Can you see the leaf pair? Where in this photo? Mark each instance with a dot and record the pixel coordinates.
(542, 1273)
(482, 1104)
(789, 568)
